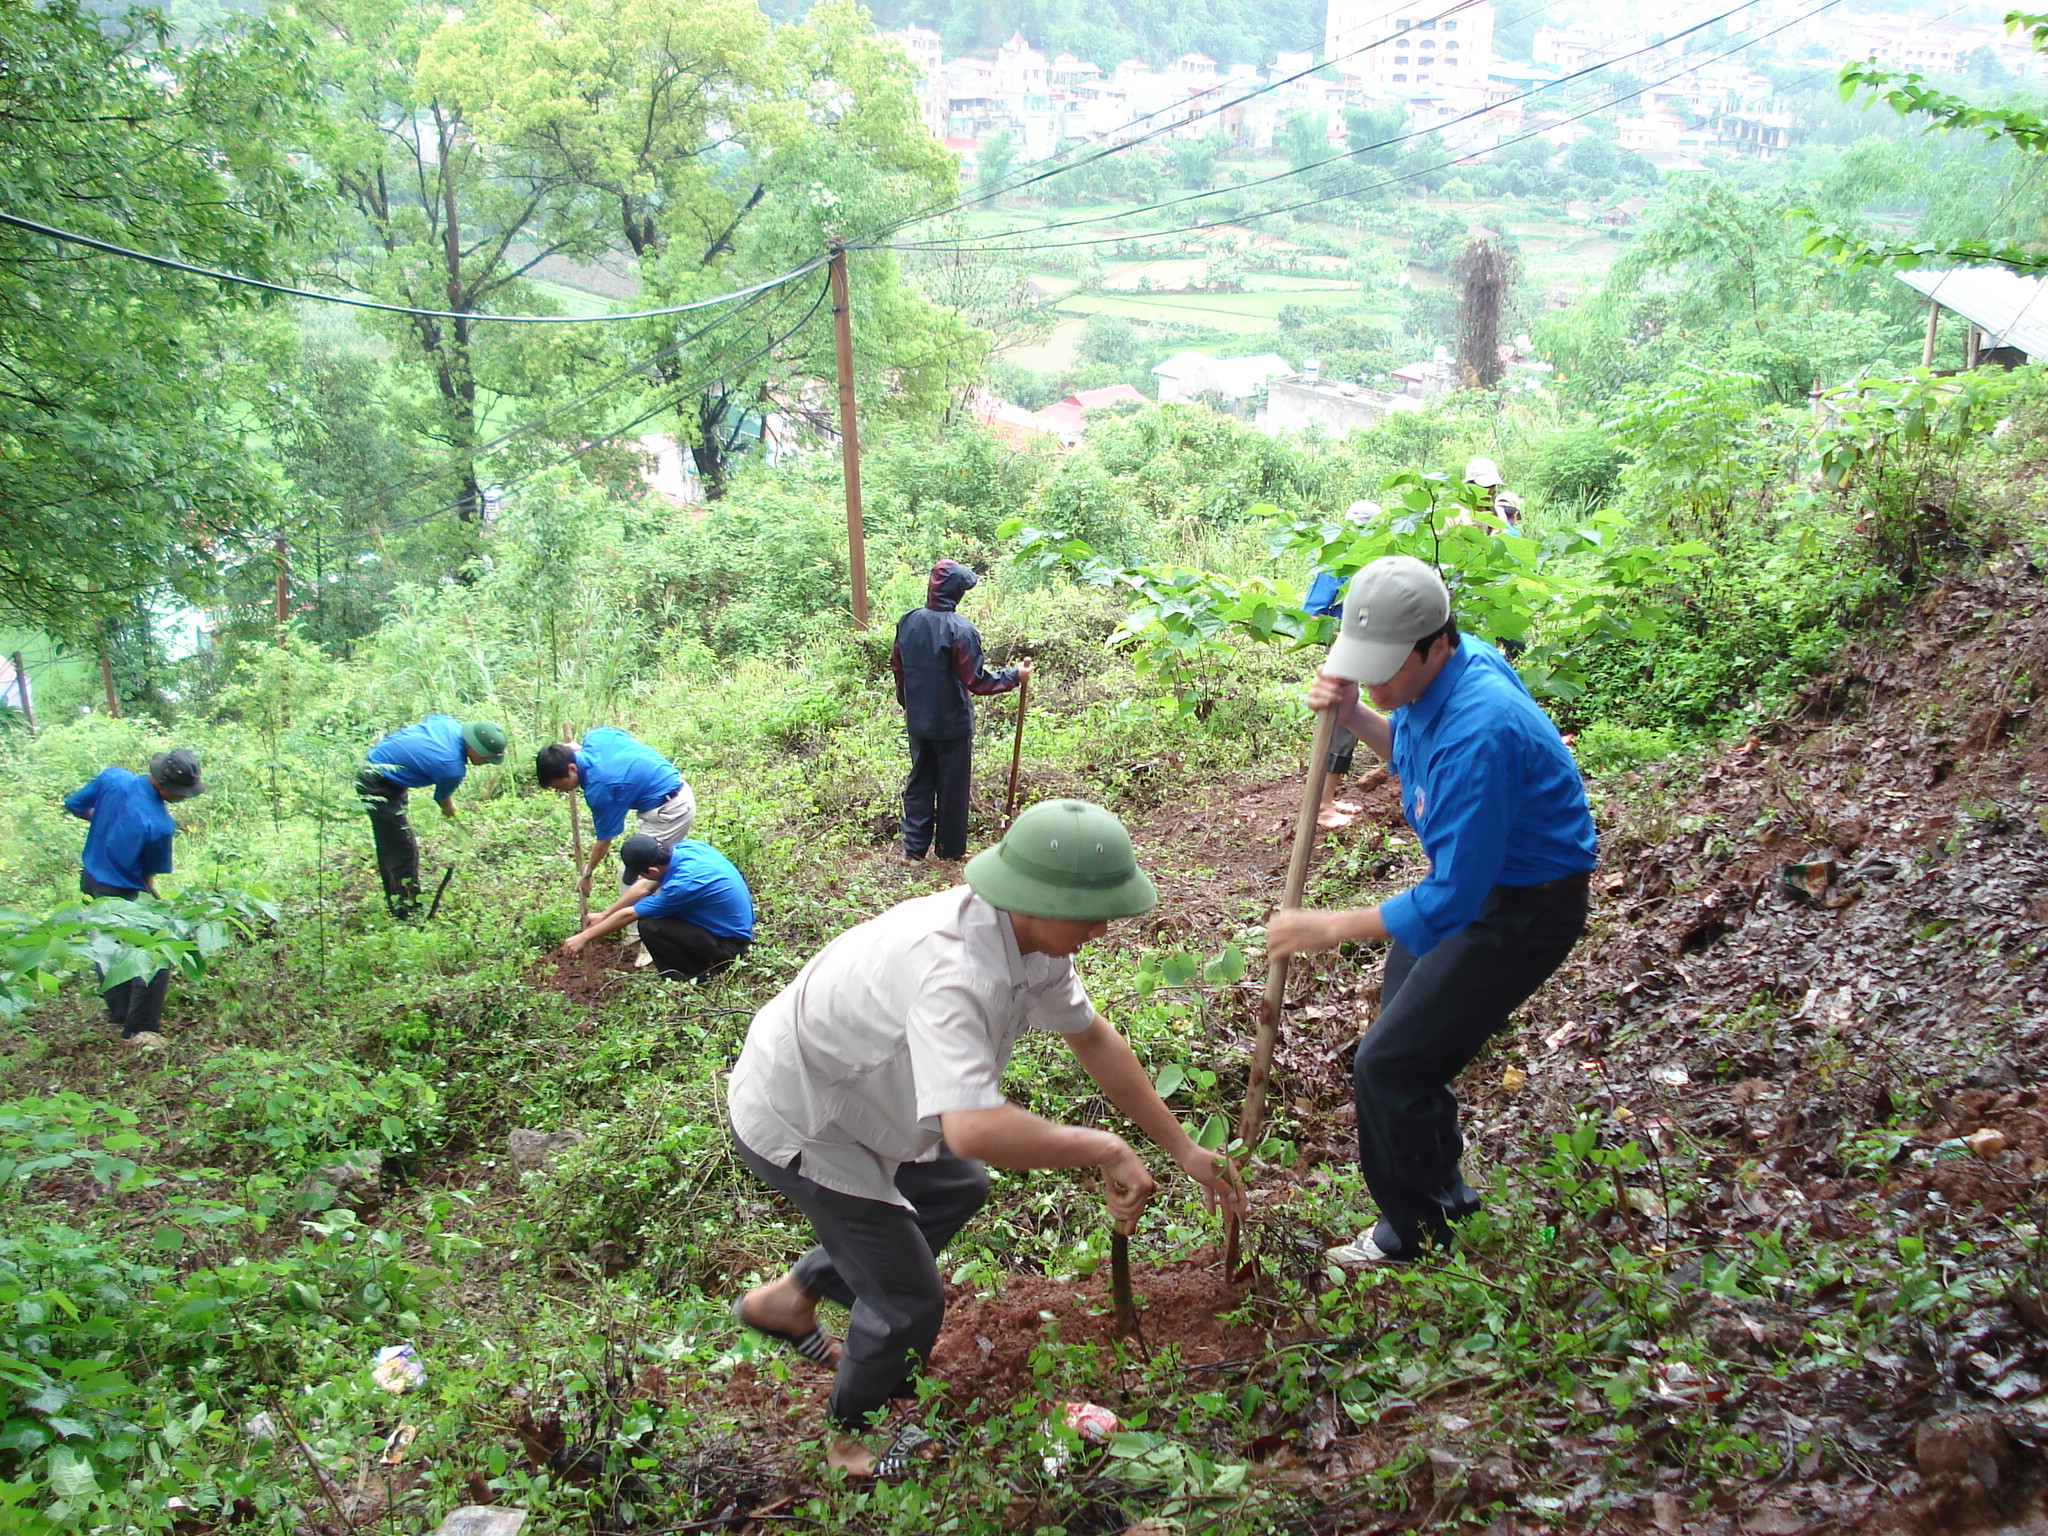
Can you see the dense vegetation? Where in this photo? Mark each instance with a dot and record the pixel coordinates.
(202, 1254)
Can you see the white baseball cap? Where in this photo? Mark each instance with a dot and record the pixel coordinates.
(1388, 606)
(1480, 470)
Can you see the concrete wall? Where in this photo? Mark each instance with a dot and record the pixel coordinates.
(1292, 405)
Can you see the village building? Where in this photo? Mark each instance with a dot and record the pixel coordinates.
(1300, 401)
(1067, 419)
(1235, 383)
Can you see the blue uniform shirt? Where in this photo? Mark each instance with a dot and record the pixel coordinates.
(1490, 788)
(619, 775)
(1325, 595)
(702, 887)
(423, 754)
(129, 834)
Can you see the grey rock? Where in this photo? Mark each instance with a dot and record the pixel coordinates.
(357, 1181)
(531, 1150)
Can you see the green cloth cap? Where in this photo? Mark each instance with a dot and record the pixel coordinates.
(486, 738)
(1063, 859)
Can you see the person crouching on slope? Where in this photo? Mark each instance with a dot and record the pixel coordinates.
(869, 1092)
(695, 913)
(937, 662)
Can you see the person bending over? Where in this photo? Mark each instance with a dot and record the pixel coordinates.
(869, 1093)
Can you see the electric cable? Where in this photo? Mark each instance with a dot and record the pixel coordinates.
(1403, 138)
(1117, 149)
(1353, 191)
(675, 395)
(108, 247)
(454, 461)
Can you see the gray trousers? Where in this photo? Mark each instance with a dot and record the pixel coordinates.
(880, 1262)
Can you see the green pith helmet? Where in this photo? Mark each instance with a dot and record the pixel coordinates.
(1063, 859)
(486, 738)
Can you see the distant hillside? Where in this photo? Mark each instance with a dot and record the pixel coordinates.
(1229, 31)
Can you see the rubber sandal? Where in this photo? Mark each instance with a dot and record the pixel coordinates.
(911, 1445)
(815, 1346)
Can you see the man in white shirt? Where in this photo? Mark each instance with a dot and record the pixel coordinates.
(869, 1092)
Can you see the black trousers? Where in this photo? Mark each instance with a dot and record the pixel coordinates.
(134, 1006)
(681, 949)
(398, 851)
(880, 1262)
(1436, 1013)
(935, 796)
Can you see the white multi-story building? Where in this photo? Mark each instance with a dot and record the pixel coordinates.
(921, 46)
(1389, 51)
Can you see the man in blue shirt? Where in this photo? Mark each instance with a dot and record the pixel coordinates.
(439, 750)
(618, 774)
(127, 845)
(695, 913)
(1492, 792)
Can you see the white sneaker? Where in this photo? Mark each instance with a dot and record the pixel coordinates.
(643, 959)
(1358, 1254)
(145, 1040)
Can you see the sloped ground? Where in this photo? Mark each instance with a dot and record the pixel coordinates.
(1804, 1062)
(1836, 1089)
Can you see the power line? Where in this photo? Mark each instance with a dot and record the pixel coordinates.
(455, 461)
(1403, 138)
(674, 397)
(1353, 191)
(1117, 149)
(107, 247)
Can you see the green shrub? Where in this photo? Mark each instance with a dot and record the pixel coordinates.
(304, 1113)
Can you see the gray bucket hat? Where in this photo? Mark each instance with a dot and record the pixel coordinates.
(1063, 859)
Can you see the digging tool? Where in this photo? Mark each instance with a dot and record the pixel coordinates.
(1253, 1115)
(576, 845)
(1125, 1319)
(1016, 750)
(440, 891)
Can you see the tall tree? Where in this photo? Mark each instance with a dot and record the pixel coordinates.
(126, 459)
(722, 151)
(443, 217)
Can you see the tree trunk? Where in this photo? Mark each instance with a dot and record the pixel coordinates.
(710, 447)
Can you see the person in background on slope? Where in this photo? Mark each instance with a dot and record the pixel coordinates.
(695, 913)
(1325, 600)
(1496, 800)
(937, 662)
(869, 1091)
(438, 750)
(618, 774)
(1484, 487)
(127, 845)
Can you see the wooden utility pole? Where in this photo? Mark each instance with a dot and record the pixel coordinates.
(28, 709)
(283, 586)
(1927, 347)
(849, 441)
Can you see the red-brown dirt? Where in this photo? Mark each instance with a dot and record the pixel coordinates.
(984, 1352)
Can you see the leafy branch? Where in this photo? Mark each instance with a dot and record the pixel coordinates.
(125, 940)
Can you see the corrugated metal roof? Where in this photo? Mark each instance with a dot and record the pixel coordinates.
(2011, 309)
